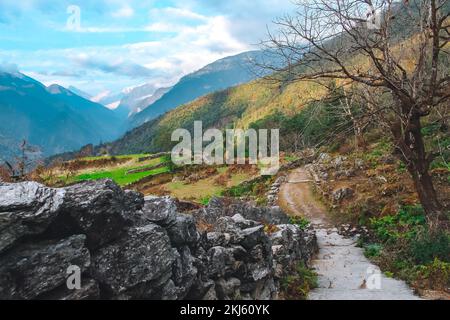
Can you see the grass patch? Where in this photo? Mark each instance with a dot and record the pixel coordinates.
(132, 156)
(200, 191)
(120, 175)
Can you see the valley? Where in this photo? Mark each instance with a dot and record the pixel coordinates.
(350, 107)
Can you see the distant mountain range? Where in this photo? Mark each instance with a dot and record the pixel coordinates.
(219, 75)
(139, 98)
(60, 120)
(52, 118)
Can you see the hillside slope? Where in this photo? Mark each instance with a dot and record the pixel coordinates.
(54, 119)
(216, 76)
(239, 106)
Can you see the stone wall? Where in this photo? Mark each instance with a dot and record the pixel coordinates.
(130, 247)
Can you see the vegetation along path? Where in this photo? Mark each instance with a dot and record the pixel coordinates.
(344, 273)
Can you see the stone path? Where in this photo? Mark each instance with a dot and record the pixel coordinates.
(344, 272)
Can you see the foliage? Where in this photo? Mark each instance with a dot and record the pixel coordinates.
(120, 175)
(254, 188)
(426, 247)
(298, 285)
(372, 250)
(435, 274)
(316, 124)
(409, 250)
(205, 200)
(171, 167)
(301, 222)
(404, 225)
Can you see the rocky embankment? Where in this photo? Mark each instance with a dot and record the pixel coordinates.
(130, 247)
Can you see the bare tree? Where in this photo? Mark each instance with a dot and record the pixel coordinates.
(350, 108)
(395, 51)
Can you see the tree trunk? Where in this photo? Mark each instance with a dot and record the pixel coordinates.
(418, 162)
(423, 183)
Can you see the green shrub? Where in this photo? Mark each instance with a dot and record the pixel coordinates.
(372, 250)
(205, 200)
(238, 191)
(427, 247)
(167, 159)
(404, 225)
(435, 275)
(298, 285)
(301, 222)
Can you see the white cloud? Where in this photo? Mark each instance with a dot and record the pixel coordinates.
(124, 12)
(171, 12)
(184, 37)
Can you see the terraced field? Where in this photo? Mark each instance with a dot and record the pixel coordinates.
(152, 175)
(124, 170)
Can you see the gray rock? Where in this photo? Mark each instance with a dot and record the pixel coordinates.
(214, 239)
(324, 158)
(184, 272)
(34, 269)
(338, 162)
(210, 294)
(138, 259)
(252, 237)
(243, 223)
(228, 226)
(266, 290)
(228, 289)
(140, 248)
(26, 209)
(162, 211)
(89, 291)
(342, 193)
(359, 164)
(99, 209)
(220, 262)
(272, 215)
(290, 246)
(183, 231)
(169, 291)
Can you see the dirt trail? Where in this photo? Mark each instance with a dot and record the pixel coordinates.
(344, 272)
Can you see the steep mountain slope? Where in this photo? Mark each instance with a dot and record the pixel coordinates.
(98, 116)
(138, 99)
(54, 118)
(109, 99)
(238, 106)
(216, 76)
(80, 92)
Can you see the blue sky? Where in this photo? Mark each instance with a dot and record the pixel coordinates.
(119, 44)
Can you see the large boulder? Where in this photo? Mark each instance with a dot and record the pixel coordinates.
(34, 269)
(162, 211)
(220, 207)
(184, 272)
(89, 290)
(99, 209)
(26, 209)
(137, 265)
(183, 231)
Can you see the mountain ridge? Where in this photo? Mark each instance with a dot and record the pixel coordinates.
(219, 75)
(53, 118)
